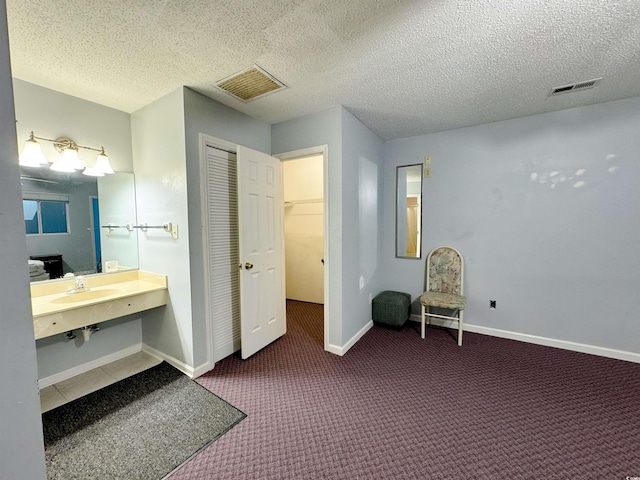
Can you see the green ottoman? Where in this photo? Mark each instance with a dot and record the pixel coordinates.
(391, 308)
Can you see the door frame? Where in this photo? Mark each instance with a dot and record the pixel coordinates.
(94, 246)
(312, 152)
(211, 141)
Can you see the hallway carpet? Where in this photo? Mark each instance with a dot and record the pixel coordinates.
(399, 407)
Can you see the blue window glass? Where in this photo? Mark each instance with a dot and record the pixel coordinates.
(45, 216)
(54, 216)
(30, 208)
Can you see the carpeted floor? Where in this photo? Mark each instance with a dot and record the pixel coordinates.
(398, 407)
(142, 427)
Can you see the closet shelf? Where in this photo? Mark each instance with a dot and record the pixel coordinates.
(291, 203)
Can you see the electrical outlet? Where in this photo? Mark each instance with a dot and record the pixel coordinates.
(111, 266)
(427, 173)
(492, 304)
(370, 298)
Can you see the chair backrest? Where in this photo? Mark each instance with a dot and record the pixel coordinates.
(444, 272)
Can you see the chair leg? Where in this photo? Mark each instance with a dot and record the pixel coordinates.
(422, 317)
(460, 318)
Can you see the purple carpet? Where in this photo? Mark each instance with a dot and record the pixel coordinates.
(399, 407)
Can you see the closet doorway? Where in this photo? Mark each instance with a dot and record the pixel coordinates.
(222, 234)
(243, 243)
(303, 188)
(306, 191)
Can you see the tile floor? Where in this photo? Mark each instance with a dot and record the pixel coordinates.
(85, 383)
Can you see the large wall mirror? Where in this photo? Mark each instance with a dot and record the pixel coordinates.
(64, 213)
(408, 211)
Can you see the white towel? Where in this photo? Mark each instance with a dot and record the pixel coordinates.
(37, 278)
(36, 266)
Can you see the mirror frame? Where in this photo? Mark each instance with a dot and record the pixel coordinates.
(419, 255)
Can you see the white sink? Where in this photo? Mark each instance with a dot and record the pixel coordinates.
(85, 296)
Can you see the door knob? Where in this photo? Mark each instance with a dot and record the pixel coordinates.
(322, 260)
(248, 266)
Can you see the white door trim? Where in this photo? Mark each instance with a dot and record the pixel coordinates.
(308, 152)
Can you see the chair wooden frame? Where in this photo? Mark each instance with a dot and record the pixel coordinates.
(458, 313)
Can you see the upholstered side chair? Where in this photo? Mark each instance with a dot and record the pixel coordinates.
(444, 283)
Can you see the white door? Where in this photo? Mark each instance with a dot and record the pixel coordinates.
(262, 294)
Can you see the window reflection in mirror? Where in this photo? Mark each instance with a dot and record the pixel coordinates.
(82, 245)
(408, 211)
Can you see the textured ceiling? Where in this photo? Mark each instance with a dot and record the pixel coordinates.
(403, 68)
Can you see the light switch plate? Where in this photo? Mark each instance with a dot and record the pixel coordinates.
(427, 160)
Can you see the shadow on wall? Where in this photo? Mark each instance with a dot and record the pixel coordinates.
(368, 219)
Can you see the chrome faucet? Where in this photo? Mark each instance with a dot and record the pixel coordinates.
(79, 285)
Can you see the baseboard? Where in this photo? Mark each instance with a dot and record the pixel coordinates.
(548, 342)
(337, 350)
(201, 370)
(85, 367)
(180, 365)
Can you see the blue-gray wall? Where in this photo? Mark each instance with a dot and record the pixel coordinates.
(355, 184)
(57, 353)
(21, 441)
(52, 114)
(362, 232)
(546, 212)
(203, 115)
(324, 128)
(159, 160)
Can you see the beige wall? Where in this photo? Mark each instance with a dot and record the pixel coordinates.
(304, 228)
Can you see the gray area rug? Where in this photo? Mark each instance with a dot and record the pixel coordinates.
(142, 427)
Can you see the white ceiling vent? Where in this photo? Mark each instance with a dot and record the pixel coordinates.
(250, 84)
(575, 87)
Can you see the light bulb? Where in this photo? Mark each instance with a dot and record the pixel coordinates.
(93, 172)
(68, 163)
(31, 155)
(102, 163)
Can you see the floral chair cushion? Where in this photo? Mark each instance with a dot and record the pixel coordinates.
(443, 300)
(444, 270)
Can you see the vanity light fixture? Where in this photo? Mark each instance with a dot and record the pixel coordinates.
(32, 156)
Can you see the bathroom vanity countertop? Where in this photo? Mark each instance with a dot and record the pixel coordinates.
(102, 289)
(109, 296)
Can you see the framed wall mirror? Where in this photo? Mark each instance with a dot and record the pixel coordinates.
(409, 211)
(63, 217)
